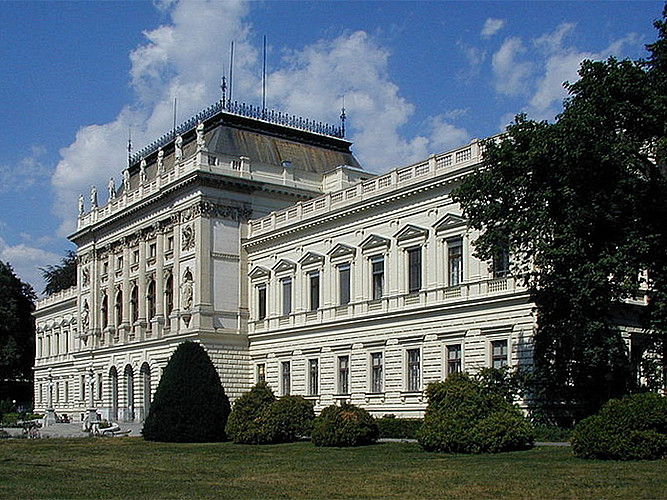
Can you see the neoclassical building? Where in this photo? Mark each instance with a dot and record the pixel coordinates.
(260, 236)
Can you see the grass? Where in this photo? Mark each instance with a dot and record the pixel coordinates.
(132, 467)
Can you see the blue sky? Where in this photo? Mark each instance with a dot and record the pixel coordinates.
(418, 78)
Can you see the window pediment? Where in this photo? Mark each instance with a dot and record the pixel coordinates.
(259, 272)
(342, 250)
(311, 258)
(449, 221)
(374, 241)
(284, 265)
(411, 232)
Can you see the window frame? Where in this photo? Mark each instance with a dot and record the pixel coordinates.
(458, 360)
(314, 290)
(415, 268)
(455, 279)
(285, 378)
(262, 301)
(503, 356)
(343, 364)
(377, 284)
(313, 376)
(344, 283)
(287, 299)
(413, 384)
(376, 375)
(260, 373)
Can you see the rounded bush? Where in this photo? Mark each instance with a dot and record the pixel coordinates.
(345, 425)
(631, 428)
(463, 417)
(245, 422)
(190, 405)
(287, 419)
(399, 428)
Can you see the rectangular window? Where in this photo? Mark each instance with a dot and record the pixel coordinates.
(453, 359)
(66, 391)
(377, 266)
(414, 370)
(455, 261)
(105, 267)
(313, 377)
(414, 269)
(261, 373)
(57, 392)
(170, 243)
(499, 353)
(501, 264)
(343, 374)
(152, 250)
(314, 279)
(82, 388)
(376, 372)
(286, 377)
(135, 256)
(287, 296)
(261, 302)
(120, 262)
(344, 284)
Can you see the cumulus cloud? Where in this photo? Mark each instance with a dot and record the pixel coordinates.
(26, 261)
(538, 70)
(511, 75)
(183, 59)
(491, 27)
(28, 172)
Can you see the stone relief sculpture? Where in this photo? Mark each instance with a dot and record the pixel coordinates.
(178, 149)
(111, 186)
(160, 161)
(85, 276)
(187, 296)
(93, 197)
(85, 317)
(201, 144)
(126, 180)
(143, 177)
(188, 235)
(81, 207)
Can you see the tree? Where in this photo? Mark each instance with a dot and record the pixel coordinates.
(190, 405)
(580, 203)
(17, 332)
(61, 276)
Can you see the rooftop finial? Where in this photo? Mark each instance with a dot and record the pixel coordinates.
(129, 146)
(342, 118)
(223, 88)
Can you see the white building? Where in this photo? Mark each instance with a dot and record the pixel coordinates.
(264, 240)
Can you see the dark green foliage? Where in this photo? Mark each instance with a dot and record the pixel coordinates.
(631, 428)
(580, 204)
(400, 428)
(464, 417)
(345, 425)
(17, 331)
(245, 422)
(190, 405)
(258, 418)
(61, 276)
(551, 434)
(287, 419)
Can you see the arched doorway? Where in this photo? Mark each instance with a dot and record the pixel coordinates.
(113, 378)
(146, 386)
(129, 393)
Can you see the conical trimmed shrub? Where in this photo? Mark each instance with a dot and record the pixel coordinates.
(190, 405)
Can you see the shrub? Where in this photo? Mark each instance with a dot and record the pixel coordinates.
(345, 425)
(245, 422)
(400, 428)
(631, 428)
(190, 404)
(551, 433)
(464, 417)
(287, 419)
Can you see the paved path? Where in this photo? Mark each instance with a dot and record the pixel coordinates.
(74, 430)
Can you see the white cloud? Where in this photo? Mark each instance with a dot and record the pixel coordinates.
(26, 261)
(511, 75)
(184, 58)
(28, 172)
(491, 27)
(181, 59)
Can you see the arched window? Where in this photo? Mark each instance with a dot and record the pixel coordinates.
(113, 377)
(146, 382)
(150, 300)
(119, 307)
(105, 311)
(129, 392)
(169, 295)
(134, 304)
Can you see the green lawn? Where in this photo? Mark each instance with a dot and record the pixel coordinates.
(131, 467)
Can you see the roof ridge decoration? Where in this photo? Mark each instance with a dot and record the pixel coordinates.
(245, 110)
